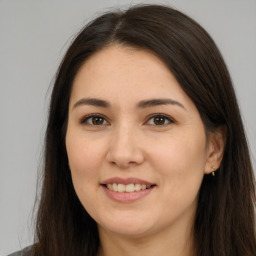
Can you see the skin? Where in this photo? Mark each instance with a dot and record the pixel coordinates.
(127, 141)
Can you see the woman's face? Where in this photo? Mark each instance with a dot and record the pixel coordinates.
(136, 144)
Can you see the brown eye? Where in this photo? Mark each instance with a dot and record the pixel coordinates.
(95, 120)
(159, 120)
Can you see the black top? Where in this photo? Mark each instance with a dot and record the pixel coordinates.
(24, 252)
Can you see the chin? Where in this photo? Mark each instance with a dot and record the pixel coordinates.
(129, 227)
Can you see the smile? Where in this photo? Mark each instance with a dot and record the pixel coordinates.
(127, 188)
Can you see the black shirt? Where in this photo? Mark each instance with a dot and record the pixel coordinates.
(24, 252)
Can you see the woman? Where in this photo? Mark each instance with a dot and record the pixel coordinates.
(145, 151)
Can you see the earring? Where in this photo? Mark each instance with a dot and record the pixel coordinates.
(213, 172)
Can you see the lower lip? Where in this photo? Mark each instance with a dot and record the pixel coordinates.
(126, 197)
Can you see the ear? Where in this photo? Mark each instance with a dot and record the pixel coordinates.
(215, 150)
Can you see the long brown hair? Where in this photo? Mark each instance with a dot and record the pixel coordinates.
(225, 221)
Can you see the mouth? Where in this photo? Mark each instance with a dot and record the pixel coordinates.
(129, 188)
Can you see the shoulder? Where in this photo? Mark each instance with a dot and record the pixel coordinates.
(24, 252)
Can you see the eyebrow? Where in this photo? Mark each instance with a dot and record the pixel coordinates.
(142, 104)
(157, 102)
(92, 102)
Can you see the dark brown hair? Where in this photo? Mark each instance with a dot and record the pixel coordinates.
(225, 221)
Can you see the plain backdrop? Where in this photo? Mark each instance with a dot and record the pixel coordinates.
(34, 36)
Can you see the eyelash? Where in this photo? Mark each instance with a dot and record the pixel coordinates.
(163, 116)
(86, 119)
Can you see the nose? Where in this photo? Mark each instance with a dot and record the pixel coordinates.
(124, 149)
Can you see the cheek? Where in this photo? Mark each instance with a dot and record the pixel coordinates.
(82, 154)
(180, 163)
(177, 153)
(84, 161)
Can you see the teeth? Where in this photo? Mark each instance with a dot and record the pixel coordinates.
(137, 187)
(127, 188)
(114, 187)
(121, 188)
(109, 186)
(143, 186)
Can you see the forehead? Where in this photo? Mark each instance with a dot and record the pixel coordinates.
(124, 73)
(116, 61)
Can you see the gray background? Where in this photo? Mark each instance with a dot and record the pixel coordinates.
(33, 38)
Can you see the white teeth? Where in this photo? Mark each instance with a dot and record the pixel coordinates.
(114, 187)
(127, 188)
(143, 186)
(121, 188)
(137, 187)
(109, 186)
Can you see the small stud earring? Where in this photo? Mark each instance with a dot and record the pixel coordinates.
(213, 172)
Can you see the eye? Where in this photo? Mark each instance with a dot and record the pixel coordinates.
(95, 120)
(159, 120)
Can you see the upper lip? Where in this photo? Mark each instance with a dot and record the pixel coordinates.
(126, 181)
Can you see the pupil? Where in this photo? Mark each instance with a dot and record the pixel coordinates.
(159, 120)
(97, 120)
